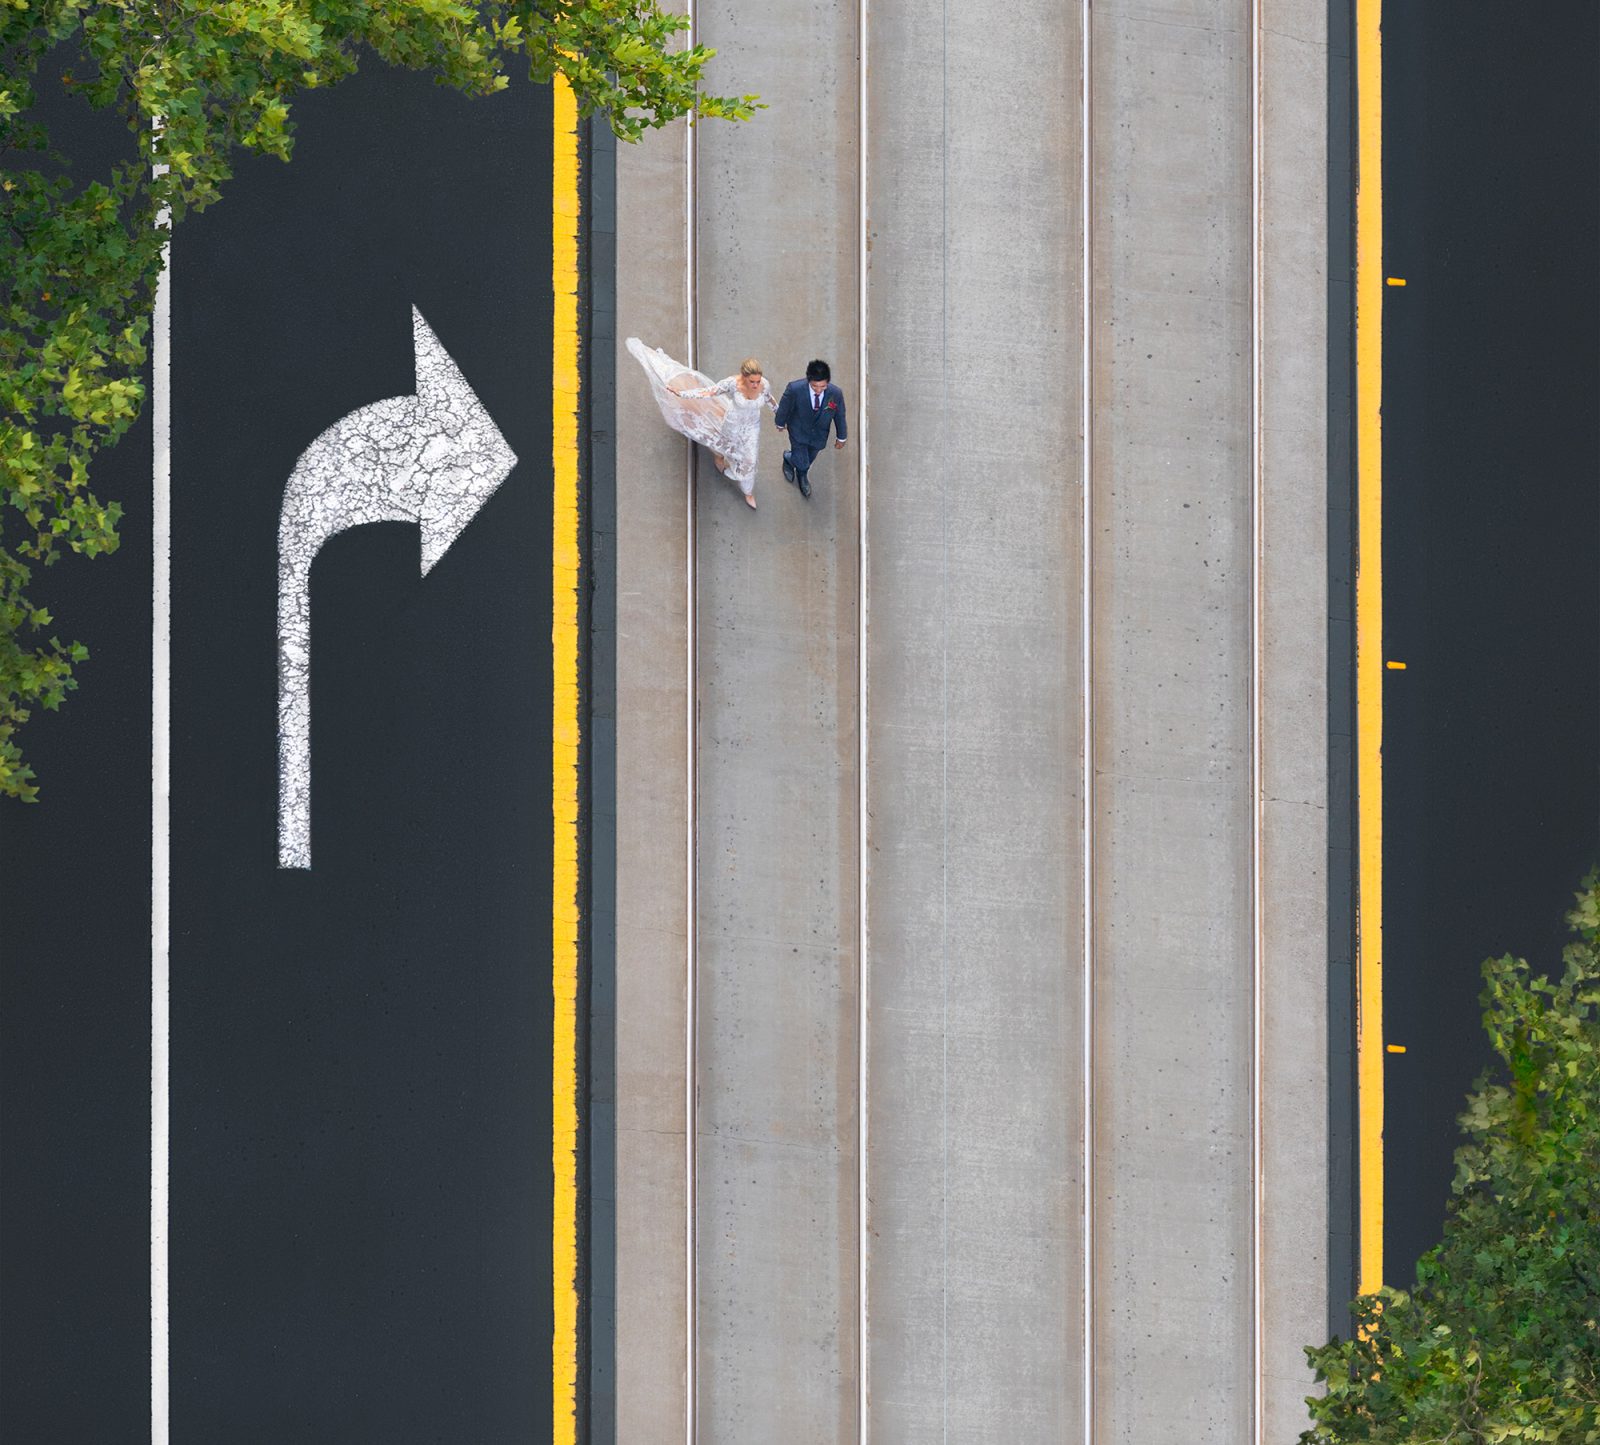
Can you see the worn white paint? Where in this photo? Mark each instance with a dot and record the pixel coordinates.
(433, 458)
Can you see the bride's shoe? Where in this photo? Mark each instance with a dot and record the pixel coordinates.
(750, 501)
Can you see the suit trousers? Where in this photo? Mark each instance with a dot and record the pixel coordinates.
(802, 454)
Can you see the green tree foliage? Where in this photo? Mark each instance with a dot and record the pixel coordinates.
(1499, 1340)
(195, 82)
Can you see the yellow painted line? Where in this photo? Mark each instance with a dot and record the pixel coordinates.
(1395, 1048)
(1369, 639)
(1396, 281)
(1395, 666)
(565, 734)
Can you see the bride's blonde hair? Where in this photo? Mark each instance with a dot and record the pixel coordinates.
(750, 367)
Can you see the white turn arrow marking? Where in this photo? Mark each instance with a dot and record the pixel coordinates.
(433, 458)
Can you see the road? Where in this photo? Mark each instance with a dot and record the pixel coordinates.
(1491, 526)
(360, 1102)
(970, 927)
(75, 975)
(358, 1243)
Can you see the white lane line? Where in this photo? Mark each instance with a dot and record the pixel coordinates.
(692, 783)
(1257, 1182)
(944, 703)
(863, 1354)
(160, 849)
(1086, 687)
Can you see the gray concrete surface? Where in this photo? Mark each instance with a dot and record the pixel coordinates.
(1294, 779)
(778, 896)
(652, 810)
(974, 726)
(974, 966)
(1171, 238)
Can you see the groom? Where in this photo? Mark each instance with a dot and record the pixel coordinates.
(806, 409)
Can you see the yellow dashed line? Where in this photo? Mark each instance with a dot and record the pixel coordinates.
(566, 731)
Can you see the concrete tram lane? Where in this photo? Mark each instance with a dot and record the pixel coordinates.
(975, 1101)
(995, 1304)
(1171, 478)
(758, 1320)
(653, 794)
(777, 926)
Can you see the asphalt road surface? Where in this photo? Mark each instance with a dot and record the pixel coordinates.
(75, 973)
(360, 1050)
(1491, 524)
(360, 1164)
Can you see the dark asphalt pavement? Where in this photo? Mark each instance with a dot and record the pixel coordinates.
(75, 972)
(361, 1076)
(360, 1169)
(1491, 534)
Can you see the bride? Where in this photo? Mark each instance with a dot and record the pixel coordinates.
(724, 416)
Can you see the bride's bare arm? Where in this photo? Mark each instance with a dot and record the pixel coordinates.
(722, 388)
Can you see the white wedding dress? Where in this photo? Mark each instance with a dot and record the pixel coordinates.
(714, 413)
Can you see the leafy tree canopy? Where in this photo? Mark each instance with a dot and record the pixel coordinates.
(195, 82)
(1499, 1341)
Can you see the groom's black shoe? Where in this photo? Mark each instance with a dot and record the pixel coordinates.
(805, 484)
(788, 468)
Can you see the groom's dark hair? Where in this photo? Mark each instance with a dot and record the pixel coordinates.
(818, 371)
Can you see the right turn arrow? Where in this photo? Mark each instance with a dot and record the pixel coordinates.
(433, 458)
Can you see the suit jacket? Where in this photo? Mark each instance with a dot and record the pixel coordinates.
(807, 425)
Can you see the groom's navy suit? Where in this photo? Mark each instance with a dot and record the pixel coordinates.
(808, 425)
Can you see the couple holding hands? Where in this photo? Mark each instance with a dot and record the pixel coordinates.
(725, 416)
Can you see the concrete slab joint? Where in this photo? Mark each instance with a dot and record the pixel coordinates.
(1094, 794)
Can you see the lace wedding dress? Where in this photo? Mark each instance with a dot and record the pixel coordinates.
(714, 413)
